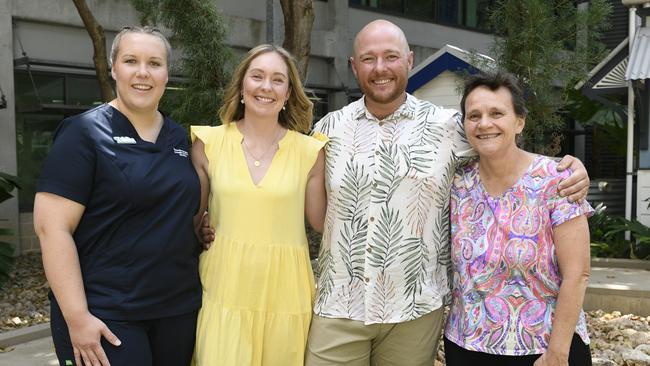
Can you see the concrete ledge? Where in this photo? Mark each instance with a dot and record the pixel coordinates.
(623, 303)
(621, 263)
(618, 292)
(622, 289)
(23, 335)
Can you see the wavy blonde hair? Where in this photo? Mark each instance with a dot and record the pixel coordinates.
(299, 109)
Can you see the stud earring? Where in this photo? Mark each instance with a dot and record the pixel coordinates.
(241, 100)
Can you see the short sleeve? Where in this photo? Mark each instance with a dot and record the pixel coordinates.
(560, 209)
(211, 137)
(203, 133)
(328, 124)
(312, 146)
(69, 169)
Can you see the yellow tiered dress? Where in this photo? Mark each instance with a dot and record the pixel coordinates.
(258, 286)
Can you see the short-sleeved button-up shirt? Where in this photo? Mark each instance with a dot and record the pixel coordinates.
(385, 252)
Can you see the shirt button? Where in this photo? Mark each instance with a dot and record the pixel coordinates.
(372, 219)
(376, 152)
(374, 185)
(366, 279)
(369, 250)
(381, 123)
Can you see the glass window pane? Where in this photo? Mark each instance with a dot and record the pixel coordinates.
(477, 13)
(83, 91)
(33, 139)
(321, 104)
(448, 11)
(420, 9)
(49, 88)
(392, 5)
(370, 3)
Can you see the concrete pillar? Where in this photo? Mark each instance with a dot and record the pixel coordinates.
(9, 208)
(278, 23)
(274, 23)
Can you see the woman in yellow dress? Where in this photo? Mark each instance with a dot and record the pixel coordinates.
(261, 175)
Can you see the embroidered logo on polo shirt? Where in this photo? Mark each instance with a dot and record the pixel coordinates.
(124, 140)
(181, 152)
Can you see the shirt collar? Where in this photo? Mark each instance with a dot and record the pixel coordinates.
(407, 109)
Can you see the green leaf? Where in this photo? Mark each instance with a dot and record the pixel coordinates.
(6, 261)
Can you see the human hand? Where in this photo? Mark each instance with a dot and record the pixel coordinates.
(205, 232)
(550, 358)
(576, 186)
(85, 334)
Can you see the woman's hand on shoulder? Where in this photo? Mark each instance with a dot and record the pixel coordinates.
(576, 186)
(204, 232)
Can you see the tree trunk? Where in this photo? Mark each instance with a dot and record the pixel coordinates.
(96, 33)
(298, 22)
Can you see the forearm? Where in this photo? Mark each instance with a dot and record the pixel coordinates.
(316, 195)
(205, 194)
(63, 272)
(567, 311)
(55, 219)
(201, 164)
(316, 207)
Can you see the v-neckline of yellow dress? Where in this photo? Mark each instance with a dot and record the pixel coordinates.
(244, 163)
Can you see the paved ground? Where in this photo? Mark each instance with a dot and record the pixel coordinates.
(35, 353)
(620, 279)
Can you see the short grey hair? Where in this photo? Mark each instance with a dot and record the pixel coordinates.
(115, 47)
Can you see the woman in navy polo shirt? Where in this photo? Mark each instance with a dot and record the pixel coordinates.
(113, 214)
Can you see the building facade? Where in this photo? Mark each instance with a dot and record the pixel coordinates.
(47, 74)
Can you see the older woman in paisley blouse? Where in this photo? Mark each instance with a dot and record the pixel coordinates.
(520, 251)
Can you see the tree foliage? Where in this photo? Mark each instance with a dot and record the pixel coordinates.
(198, 31)
(547, 44)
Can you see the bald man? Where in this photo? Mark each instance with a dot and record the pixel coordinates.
(385, 254)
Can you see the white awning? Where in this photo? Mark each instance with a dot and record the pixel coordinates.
(638, 67)
(614, 77)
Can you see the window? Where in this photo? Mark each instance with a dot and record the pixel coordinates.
(43, 100)
(420, 9)
(320, 98)
(464, 13)
(476, 13)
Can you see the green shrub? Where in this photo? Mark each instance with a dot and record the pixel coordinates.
(7, 185)
(608, 236)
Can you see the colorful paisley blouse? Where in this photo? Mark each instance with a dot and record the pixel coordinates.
(506, 277)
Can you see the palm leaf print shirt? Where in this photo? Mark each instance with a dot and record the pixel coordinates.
(385, 253)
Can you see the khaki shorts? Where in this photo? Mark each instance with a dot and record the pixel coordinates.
(351, 343)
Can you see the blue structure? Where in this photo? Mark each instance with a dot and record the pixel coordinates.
(448, 58)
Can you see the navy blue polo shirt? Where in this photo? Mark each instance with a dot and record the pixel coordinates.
(136, 244)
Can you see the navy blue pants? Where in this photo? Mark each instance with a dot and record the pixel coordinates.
(579, 355)
(159, 342)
